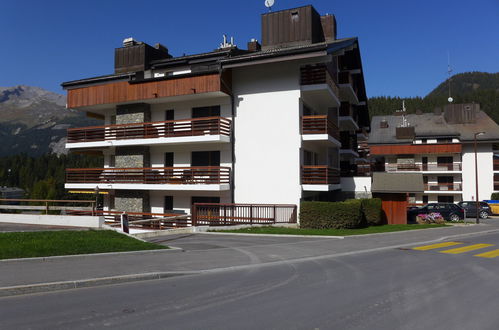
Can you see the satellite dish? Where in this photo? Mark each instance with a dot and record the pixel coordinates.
(450, 99)
(269, 4)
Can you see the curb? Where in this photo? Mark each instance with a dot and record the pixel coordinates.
(271, 235)
(76, 256)
(66, 285)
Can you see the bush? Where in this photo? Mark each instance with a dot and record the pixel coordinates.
(495, 196)
(337, 215)
(371, 207)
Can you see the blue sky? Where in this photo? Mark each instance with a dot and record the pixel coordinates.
(404, 44)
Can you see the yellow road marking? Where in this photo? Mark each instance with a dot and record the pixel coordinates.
(490, 254)
(466, 248)
(435, 246)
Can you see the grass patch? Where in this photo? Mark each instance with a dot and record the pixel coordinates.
(59, 243)
(329, 232)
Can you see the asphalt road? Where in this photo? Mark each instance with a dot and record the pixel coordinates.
(390, 289)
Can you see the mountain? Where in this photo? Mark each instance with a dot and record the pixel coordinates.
(34, 121)
(469, 87)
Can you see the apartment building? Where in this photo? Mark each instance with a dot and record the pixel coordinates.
(439, 147)
(274, 123)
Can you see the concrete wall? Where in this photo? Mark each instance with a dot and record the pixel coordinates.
(267, 134)
(53, 220)
(485, 171)
(133, 113)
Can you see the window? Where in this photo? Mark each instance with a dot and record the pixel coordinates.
(425, 199)
(424, 141)
(169, 159)
(445, 199)
(169, 114)
(444, 140)
(204, 199)
(168, 204)
(205, 158)
(209, 111)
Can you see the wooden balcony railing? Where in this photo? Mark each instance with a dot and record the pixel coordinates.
(496, 164)
(442, 187)
(423, 167)
(318, 74)
(319, 124)
(319, 174)
(211, 214)
(152, 175)
(170, 128)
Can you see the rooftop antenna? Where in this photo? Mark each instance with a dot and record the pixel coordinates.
(403, 111)
(269, 4)
(449, 71)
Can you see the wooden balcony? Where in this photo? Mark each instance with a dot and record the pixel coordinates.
(318, 88)
(128, 92)
(319, 124)
(444, 167)
(496, 164)
(317, 74)
(163, 129)
(319, 174)
(152, 175)
(411, 149)
(443, 187)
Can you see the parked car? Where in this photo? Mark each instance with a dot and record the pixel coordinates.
(449, 211)
(470, 208)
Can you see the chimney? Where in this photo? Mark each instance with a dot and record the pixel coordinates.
(291, 27)
(254, 46)
(383, 123)
(329, 30)
(135, 56)
(161, 48)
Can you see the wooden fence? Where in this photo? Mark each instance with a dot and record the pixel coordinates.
(213, 214)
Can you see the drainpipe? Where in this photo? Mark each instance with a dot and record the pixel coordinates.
(232, 142)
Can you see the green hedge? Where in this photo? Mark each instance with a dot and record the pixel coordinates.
(372, 211)
(337, 215)
(495, 196)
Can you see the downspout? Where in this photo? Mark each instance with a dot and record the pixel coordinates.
(232, 142)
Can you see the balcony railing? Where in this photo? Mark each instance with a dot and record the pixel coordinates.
(319, 174)
(319, 124)
(442, 187)
(423, 167)
(152, 175)
(317, 74)
(170, 128)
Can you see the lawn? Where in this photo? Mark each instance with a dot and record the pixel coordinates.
(58, 243)
(329, 232)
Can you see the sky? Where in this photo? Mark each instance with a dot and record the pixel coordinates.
(404, 44)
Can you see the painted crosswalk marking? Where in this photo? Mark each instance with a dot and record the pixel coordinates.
(489, 254)
(466, 248)
(436, 246)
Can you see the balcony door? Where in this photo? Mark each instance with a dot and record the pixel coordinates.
(445, 182)
(169, 127)
(205, 158)
(201, 127)
(445, 162)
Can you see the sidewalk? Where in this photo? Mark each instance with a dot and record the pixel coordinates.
(204, 252)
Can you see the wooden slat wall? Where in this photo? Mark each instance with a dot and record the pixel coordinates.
(415, 149)
(125, 92)
(394, 207)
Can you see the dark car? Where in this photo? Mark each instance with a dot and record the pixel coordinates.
(449, 211)
(470, 208)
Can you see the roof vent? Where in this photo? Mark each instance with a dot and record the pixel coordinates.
(383, 123)
(254, 45)
(225, 44)
(129, 42)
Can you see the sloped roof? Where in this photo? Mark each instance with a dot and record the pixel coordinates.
(397, 182)
(433, 125)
